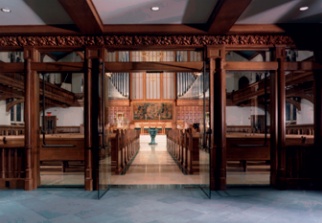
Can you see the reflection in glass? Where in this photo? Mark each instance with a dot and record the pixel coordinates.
(62, 128)
(299, 106)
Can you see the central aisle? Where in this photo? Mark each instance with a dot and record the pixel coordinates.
(154, 166)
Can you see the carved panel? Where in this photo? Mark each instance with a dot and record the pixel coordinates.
(124, 40)
(152, 111)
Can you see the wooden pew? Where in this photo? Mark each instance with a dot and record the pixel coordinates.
(12, 162)
(183, 146)
(62, 148)
(125, 144)
(254, 147)
(246, 148)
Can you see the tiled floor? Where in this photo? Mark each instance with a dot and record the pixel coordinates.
(154, 166)
(127, 205)
(142, 198)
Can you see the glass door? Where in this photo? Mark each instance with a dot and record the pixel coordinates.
(104, 148)
(205, 136)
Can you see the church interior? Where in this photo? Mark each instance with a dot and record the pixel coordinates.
(212, 94)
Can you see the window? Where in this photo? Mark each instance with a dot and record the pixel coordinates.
(16, 113)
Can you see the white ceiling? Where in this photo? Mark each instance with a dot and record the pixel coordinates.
(50, 12)
(281, 11)
(139, 11)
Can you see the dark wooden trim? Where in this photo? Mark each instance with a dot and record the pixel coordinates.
(88, 122)
(278, 124)
(256, 29)
(274, 127)
(39, 30)
(110, 66)
(146, 41)
(281, 111)
(318, 103)
(58, 66)
(12, 67)
(84, 14)
(225, 15)
(218, 117)
(31, 117)
(160, 29)
(153, 66)
(246, 66)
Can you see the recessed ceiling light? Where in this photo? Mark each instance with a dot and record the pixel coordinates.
(304, 8)
(5, 10)
(155, 8)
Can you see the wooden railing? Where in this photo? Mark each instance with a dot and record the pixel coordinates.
(183, 146)
(68, 129)
(12, 165)
(6, 130)
(292, 129)
(239, 128)
(125, 144)
(306, 129)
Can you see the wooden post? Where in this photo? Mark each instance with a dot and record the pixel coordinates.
(88, 123)
(278, 125)
(31, 117)
(318, 102)
(217, 90)
(91, 112)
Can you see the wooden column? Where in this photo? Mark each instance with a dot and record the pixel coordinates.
(217, 96)
(31, 117)
(88, 123)
(278, 124)
(318, 102)
(91, 108)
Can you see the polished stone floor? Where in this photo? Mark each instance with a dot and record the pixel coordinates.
(155, 191)
(186, 205)
(154, 166)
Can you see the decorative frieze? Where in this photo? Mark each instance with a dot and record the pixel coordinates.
(141, 41)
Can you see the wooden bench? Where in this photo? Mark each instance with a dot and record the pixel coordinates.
(254, 147)
(62, 148)
(183, 146)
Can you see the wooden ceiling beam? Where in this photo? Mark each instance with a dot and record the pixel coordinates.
(256, 29)
(12, 67)
(156, 29)
(39, 30)
(253, 66)
(84, 15)
(225, 14)
(8, 92)
(57, 66)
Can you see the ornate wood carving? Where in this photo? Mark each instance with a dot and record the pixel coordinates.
(144, 40)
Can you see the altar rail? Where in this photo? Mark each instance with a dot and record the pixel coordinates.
(183, 146)
(162, 126)
(125, 144)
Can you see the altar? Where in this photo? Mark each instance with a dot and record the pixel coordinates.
(160, 126)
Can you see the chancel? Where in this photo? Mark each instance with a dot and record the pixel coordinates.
(226, 92)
